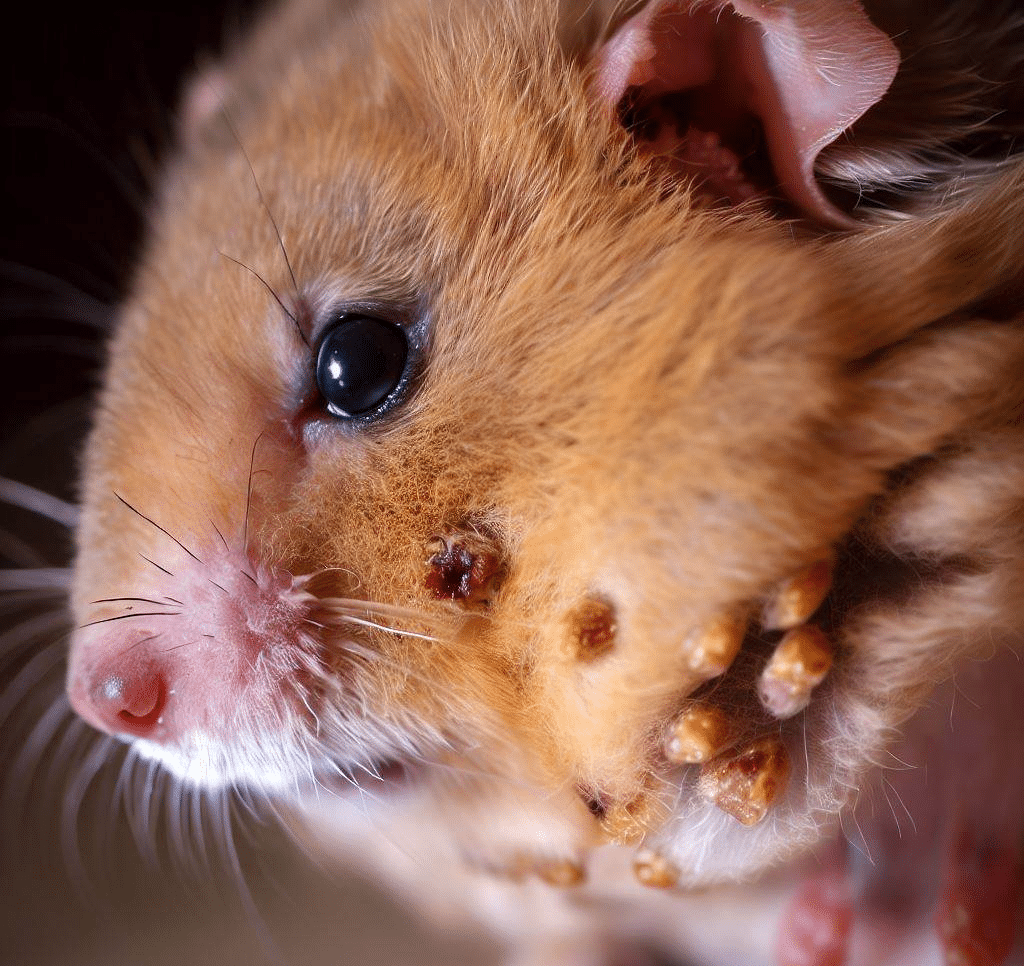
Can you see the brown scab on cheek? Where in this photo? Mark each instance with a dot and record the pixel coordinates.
(591, 629)
(462, 568)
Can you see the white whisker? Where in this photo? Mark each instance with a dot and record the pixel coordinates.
(348, 619)
(97, 759)
(37, 501)
(30, 677)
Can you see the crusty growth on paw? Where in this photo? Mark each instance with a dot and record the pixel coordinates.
(629, 822)
(563, 873)
(697, 734)
(797, 598)
(746, 781)
(654, 870)
(711, 650)
(799, 664)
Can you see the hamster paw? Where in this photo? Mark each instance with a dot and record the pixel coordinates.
(744, 773)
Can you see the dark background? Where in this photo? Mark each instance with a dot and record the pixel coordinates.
(87, 108)
(88, 95)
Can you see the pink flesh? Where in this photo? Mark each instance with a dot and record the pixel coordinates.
(945, 885)
(815, 929)
(806, 69)
(977, 913)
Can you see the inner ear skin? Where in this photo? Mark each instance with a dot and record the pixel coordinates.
(803, 76)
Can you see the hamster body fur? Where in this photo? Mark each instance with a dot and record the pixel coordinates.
(630, 423)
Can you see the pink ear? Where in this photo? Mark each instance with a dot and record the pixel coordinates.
(807, 69)
(202, 98)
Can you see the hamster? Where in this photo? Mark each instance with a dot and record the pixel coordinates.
(586, 440)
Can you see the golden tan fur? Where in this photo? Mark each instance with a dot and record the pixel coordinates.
(628, 395)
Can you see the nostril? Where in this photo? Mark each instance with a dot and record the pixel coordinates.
(132, 704)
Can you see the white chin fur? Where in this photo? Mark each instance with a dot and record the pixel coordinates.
(207, 763)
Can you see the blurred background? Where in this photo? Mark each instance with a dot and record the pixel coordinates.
(88, 93)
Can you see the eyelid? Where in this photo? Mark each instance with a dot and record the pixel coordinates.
(325, 320)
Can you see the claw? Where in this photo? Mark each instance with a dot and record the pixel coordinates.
(800, 663)
(746, 781)
(796, 599)
(627, 823)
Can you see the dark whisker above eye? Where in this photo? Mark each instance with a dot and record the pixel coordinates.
(269, 213)
(270, 289)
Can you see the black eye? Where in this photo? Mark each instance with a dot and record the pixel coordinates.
(360, 364)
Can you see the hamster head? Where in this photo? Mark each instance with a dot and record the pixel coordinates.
(445, 432)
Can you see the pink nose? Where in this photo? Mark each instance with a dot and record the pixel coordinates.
(122, 697)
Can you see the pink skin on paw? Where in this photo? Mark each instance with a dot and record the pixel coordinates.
(815, 928)
(976, 917)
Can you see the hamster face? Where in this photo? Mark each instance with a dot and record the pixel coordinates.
(561, 559)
